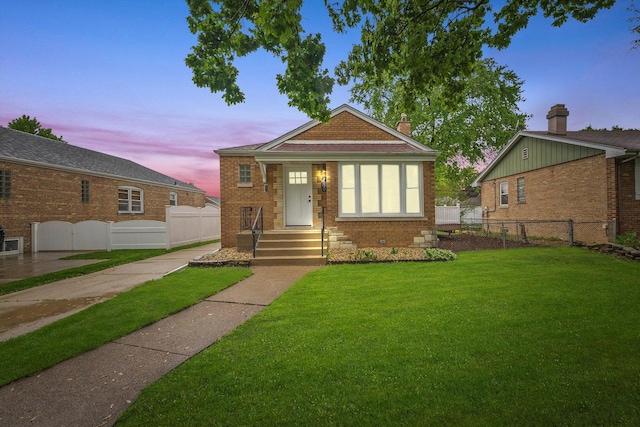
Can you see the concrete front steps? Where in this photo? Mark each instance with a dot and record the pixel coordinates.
(290, 247)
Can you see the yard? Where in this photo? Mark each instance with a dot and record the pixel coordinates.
(535, 336)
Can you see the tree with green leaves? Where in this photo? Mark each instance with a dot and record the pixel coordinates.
(468, 134)
(422, 43)
(33, 126)
(635, 21)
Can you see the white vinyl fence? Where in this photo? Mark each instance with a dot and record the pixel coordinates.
(183, 225)
(446, 215)
(452, 215)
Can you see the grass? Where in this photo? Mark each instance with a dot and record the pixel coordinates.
(112, 259)
(537, 336)
(112, 319)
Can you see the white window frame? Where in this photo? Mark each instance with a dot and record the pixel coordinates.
(504, 191)
(130, 200)
(244, 176)
(383, 188)
(173, 198)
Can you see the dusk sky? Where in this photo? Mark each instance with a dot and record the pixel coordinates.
(110, 76)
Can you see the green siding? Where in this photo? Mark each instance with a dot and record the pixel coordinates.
(542, 153)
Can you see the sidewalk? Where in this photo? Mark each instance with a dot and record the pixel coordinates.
(95, 387)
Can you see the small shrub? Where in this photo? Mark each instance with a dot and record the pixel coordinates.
(394, 251)
(628, 239)
(434, 254)
(363, 256)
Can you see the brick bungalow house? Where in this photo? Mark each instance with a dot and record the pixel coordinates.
(44, 180)
(559, 174)
(373, 185)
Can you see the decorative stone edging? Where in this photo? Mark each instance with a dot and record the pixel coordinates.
(626, 252)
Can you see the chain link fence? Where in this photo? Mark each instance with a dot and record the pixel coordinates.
(544, 232)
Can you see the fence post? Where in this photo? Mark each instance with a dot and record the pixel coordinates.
(570, 225)
(167, 226)
(109, 235)
(34, 237)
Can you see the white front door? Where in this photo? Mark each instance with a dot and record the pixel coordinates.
(298, 201)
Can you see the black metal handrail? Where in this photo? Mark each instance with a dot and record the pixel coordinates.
(322, 233)
(246, 213)
(257, 229)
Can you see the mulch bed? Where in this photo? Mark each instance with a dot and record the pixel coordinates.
(470, 242)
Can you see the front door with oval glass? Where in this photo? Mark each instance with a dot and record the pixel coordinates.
(298, 200)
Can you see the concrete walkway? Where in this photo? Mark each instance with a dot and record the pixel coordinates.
(94, 388)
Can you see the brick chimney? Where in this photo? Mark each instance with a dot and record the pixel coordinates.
(557, 117)
(404, 126)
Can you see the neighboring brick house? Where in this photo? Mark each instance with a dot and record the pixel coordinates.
(560, 175)
(44, 180)
(375, 183)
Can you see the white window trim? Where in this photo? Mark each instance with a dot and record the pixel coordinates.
(129, 190)
(403, 191)
(505, 205)
(240, 181)
(173, 198)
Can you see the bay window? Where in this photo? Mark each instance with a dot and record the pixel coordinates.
(380, 189)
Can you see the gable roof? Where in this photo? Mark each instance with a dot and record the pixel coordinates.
(612, 143)
(315, 141)
(21, 147)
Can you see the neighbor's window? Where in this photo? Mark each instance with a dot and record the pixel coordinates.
(520, 190)
(245, 174)
(173, 198)
(380, 189)
(85, 191)
(130, 200)
(504, 194)
(5, 184)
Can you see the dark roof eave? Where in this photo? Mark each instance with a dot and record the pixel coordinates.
(323, 156)
(185, 187)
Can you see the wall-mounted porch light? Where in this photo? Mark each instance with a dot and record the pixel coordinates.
(324, 178)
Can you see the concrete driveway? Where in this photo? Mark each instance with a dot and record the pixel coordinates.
(22, 266)
(28, 310)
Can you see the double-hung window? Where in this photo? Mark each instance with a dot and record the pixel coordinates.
(380, 189)
(130, 200)
(504, 194)
(173, 198)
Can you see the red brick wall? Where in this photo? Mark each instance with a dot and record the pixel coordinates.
(629, 206)
(398, 233)
(345, 126)
(582, 190)
(395, 232)
(41, 194)
(233, 198)
(579, 190)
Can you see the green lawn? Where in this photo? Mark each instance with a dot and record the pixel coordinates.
(112, 319)
(540, 336)
(111, 259)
